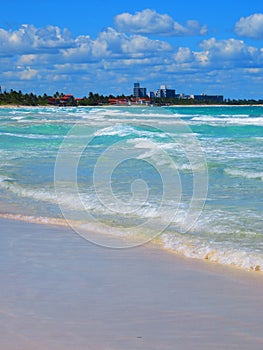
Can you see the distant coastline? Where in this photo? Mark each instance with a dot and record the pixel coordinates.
(14, 99)
(133, 106)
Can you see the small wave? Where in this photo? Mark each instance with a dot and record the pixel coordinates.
(122, 130)
(34, 219)
(189, 247)
(118, 130)
(17, 118)
(244, 120)
(31, 136)
(165, 154)
(38, 194)
(194, 248)
(5, 179)
(244, 173)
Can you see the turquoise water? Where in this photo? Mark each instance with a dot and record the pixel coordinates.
(191, 176)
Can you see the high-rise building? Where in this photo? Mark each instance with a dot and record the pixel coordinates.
(164, 92)
(139, 91)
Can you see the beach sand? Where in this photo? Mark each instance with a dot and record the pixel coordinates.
(59, 291)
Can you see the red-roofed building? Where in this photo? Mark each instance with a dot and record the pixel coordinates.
(64, 100)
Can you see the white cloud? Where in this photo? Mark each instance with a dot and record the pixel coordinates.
(112, 42)
(28, 74)
(28, 39)
(80, 51)
(229, 50)
(251, 26)
(25, 74)
(27, 59)
(139, 43)
(217, 55)
(150, 22)
(52, 37)
(183, 55)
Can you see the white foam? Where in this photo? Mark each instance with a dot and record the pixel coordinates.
(35, 219)
(119, 130)
(31, 136)
(195, 248)
(5, 178)
(235, 120)
(245, 173)
(123, 130)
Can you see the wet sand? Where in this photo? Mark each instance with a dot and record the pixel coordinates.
(59, 291)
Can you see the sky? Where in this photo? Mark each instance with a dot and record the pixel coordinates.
(193, 46)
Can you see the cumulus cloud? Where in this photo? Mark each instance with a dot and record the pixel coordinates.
(183, 55)
(26, 73)
(229, 50)
(139, 43)
(112, 44)
(251, 26)
(219, 54)
(80, 51)
(150, 22)
(29, 39)
(51, 54)
(29, 42)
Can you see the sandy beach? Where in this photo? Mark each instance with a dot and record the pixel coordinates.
(59, 291)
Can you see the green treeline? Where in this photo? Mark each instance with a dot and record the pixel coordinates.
(93, 99)
(18, 98)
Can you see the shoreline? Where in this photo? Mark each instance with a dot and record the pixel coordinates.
(60, 292)
(116, 240)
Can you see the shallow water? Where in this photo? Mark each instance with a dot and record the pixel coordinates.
(190, 176)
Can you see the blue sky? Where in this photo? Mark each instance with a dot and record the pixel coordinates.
(212, 47)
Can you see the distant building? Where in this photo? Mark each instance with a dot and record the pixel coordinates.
(209, 98)
(119, 101)
(64, 100)
(183, 96)
(139, 91)
(165, 93)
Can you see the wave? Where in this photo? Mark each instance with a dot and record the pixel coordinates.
(245, 174)
(35, 219)
(88, 202)
(192, 247)
(101, 206)
(31, 136)
(5, 179)
(38, 194)
(17, 118)
(189, 245)
(123, 130)
(244, 120)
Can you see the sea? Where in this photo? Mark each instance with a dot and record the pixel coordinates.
(186, 178)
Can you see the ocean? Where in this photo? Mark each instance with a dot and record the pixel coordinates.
(188, 178)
